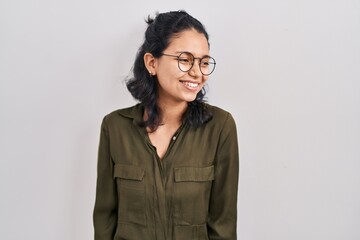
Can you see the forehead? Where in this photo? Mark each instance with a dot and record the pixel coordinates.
(189, 41)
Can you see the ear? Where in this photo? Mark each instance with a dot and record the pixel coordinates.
(150, 63)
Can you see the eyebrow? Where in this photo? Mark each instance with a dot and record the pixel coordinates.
(206, 55)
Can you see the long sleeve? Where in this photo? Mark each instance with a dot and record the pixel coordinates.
(105, 210)
(223, 201)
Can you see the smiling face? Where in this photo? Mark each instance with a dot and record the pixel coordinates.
(173, 84)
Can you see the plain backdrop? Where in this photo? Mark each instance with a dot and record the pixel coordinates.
(288, 71)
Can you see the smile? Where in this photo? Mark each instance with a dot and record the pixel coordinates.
(190, 84)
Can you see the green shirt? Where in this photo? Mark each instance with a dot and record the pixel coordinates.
(189, 194)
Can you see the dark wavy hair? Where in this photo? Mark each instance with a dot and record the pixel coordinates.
(144, 87)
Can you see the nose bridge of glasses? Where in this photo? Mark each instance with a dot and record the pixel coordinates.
(194, 58)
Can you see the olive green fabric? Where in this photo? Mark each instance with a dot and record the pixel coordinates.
(189, 194)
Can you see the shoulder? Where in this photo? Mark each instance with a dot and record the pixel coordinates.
(224, 124)
(221, 120)
(219, 114)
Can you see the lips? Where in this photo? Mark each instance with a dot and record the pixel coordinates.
(190, 85)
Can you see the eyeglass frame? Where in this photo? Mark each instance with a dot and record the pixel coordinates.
(192, 65)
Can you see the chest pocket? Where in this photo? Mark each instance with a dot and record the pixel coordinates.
(131, 194)
(192, 194)
(192, 174)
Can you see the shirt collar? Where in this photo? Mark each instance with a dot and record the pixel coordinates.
(136, 113)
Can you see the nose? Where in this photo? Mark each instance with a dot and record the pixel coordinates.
(195, 69)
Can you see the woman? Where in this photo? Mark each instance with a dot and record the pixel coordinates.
(168, 167)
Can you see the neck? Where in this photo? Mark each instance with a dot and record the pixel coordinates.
(172, 114)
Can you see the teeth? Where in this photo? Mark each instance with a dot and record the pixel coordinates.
(192, 85)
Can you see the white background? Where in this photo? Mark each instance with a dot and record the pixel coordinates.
(288, 71)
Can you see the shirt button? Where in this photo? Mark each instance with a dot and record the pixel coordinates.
(174, 138)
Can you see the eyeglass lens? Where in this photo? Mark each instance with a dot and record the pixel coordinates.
(186, 62)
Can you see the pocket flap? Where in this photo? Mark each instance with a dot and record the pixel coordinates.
(128, 172)
(193, 174)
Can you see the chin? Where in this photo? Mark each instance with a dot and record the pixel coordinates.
(190, 99)
(188, 96)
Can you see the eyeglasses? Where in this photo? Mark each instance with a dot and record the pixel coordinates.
(186, 61)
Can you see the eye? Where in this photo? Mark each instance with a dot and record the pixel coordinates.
(184, 60)
(207, 62)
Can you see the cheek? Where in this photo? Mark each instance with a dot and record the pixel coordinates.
(169, 72)
(174, 75)
(169, 78)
